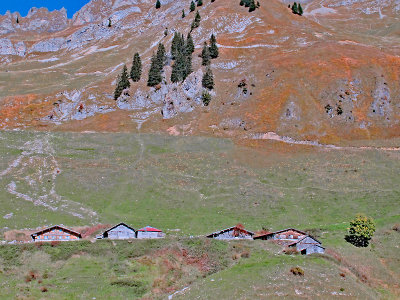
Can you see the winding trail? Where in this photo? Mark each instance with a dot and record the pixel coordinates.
(288, 140)
(33, 177)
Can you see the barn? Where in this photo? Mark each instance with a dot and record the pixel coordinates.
(56, 233)
(285, 236)
(120, 231)
(149, 232)
(232, 233)
(308, 245)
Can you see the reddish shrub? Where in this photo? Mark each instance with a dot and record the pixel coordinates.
(297, 271)
(55, 243)
(290, 251)
(245, 254)
(396, 227)
(43, 289)
(342, 275)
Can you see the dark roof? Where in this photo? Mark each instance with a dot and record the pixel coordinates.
(228, 229)
(149, 229)
(33, 235)
(296, 242)
(279, 231)
(123, 224)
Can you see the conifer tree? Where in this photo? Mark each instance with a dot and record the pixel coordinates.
(122, 83)
(192, 6)
(241, 2)
(294, 8)
(299, 10)
(189, 44)
(252, 6)
(213, 47)
(161, 57)
(212, 1)
(154, 72)
(109, 22)
(199, 2)
(183, 13)
(179, 68)
(158, 4)
(206, 97)
(188, 65)
(196, 21)
(136, 70)
(174, 44)
(17, 20)
(208, 79)
(205, 55)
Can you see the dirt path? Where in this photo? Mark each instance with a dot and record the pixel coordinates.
(288, 140)
(32, 177)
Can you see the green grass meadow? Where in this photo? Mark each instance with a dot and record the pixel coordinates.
(191, 186)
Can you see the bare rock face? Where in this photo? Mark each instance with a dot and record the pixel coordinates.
(174, 98)
(6, 47)
(381, 106)
(20, 49)
(6, 23)
(50, 45)
(183, 97)
(94, 11)
(41, 20)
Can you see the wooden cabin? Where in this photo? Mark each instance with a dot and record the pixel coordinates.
(120, 231)
(56, 233)
(149, 232)
(308, 245)
(232, 233)
(285, 236)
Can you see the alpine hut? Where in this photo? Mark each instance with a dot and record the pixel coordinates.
(232, 233)
(56, 233)
(308, 245)
(120, 231)
(149, 232)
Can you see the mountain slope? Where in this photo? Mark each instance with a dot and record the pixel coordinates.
(308, 77)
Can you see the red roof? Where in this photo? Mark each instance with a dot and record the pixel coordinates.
(149, 229)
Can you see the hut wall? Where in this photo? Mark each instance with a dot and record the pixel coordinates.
(56, 235)
(121, 233)
(149, 235)
(229, 235)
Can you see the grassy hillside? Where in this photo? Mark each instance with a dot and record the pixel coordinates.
(196, 185)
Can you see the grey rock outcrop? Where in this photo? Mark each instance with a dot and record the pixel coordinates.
(50, 45)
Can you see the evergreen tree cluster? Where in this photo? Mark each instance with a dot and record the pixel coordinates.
(181, 52)
(122, 83)
(158, 61)
(297, 9)
(209, 53)
(251, 4)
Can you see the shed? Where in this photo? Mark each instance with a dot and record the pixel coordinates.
(56, 233)
(308, 245)
(149, 232)
(120, 231)
(232, 233)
